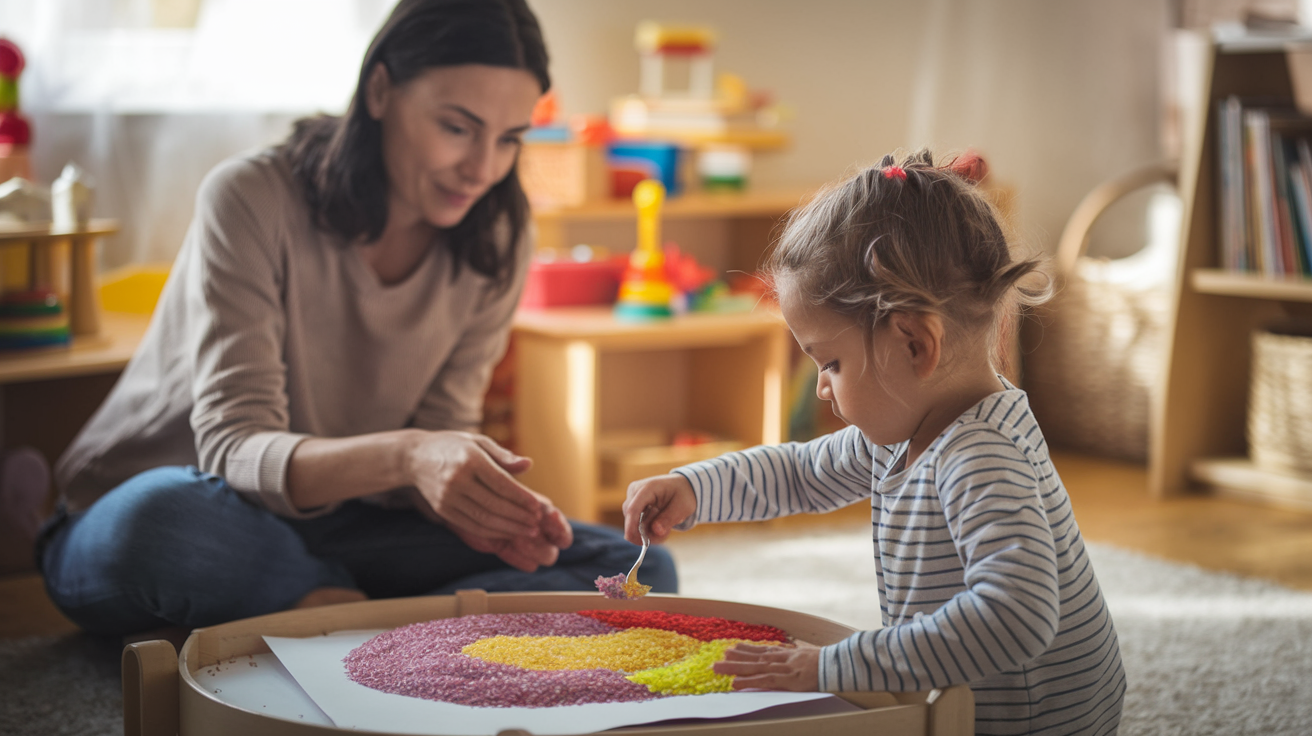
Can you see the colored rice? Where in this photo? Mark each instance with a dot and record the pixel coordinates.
(619, 587)
(519, 659)
(705, 628)
(424, 661)
(692, 675)
(625, 651)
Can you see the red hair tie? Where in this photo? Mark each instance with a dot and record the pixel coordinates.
(969, 166)
(895, 172)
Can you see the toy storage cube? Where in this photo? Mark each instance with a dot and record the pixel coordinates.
(582, 376)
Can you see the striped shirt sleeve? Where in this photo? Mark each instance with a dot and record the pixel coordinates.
(770, 481)
(1008, 612)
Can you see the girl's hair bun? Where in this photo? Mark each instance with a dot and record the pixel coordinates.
(969, 166)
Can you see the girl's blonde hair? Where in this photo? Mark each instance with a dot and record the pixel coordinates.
(908, 237)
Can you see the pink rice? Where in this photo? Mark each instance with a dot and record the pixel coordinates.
(424, 661)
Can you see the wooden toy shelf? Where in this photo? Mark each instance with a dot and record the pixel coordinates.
(1200, 421)
(62, 261)
(725, 230)
(584, 379)
(107, 351)
(164, 695)
(47, 393)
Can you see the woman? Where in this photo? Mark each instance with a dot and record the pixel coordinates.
(297, 425)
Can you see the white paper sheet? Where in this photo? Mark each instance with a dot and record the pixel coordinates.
(260, 684)
(316, 663)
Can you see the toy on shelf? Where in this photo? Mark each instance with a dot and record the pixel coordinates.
(15, 133)
(71, 198)
(645, 291)
(23, 203)
(632, 161)
(563, 165)
(587, 276)
(33, 319)
(710, 110)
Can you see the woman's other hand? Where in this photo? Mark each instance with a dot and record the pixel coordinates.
(521, 553)
(670, 495)
(468, 481)
(527, 553)
(795, 668)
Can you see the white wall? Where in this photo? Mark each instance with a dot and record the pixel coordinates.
(1059, 96)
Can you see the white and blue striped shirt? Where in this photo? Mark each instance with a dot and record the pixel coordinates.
(983, 576)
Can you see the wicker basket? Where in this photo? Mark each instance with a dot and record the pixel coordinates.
(1094, 354)
(1280, 400)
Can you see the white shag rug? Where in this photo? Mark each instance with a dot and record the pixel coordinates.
(1204, 652)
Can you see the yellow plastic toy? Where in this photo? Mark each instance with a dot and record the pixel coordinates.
(645, 291)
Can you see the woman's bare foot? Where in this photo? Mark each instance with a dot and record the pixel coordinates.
(330, 596)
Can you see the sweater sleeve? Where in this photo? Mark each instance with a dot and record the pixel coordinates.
(454, 399)
(1008, 612)
(770, 481)
(236, 319)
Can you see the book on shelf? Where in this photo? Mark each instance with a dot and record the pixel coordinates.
(1264, 195)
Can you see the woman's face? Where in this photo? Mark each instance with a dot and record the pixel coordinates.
(449, 135)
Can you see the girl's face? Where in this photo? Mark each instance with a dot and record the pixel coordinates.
(449, 135)
(877, 390)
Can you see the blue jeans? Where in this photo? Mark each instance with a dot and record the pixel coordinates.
(175, 546)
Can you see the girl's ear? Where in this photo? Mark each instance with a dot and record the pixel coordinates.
(376, 90)
(920, 337)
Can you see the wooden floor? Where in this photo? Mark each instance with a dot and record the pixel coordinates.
(1111, 505)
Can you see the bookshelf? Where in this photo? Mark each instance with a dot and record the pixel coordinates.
(1201, 416)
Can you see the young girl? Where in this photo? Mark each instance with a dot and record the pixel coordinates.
(895, 283)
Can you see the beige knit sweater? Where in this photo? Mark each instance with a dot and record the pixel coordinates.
(271, 330)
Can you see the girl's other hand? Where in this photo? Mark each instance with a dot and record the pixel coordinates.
(468, 482)
(670, 495)
(795, 668)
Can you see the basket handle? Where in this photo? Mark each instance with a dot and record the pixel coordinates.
(1075, 238)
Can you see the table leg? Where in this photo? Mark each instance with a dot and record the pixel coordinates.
(84, 308)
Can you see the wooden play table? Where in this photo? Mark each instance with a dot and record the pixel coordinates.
(162, 694)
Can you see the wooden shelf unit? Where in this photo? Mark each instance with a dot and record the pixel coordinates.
(1252, 285)
(582, 376)
(1201, 416)
(63, 261)
(725, 231)
(107, 351)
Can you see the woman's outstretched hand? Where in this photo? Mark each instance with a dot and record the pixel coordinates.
(795, 668)
(670, 495)
(467, 481)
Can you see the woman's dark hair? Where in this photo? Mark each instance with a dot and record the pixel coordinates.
(339, 160)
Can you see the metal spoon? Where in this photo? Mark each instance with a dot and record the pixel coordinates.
(632, 579)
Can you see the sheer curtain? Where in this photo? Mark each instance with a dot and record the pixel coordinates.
(147, 109)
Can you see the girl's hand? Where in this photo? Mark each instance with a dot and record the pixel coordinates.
(467, 480)
(795, 668)
(670, 495)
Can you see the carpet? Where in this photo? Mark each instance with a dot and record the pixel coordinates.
(1205, 652)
